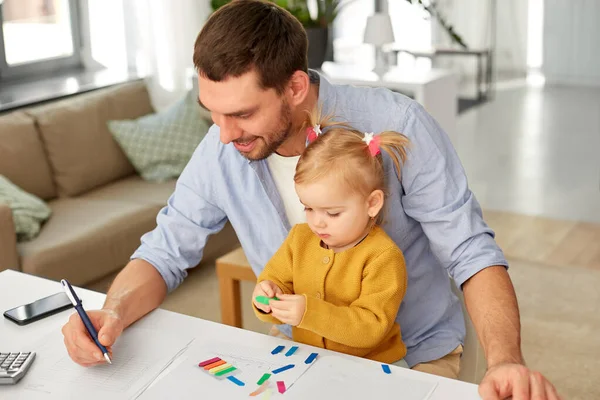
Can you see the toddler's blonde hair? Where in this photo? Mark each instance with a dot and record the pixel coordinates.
(341, 150)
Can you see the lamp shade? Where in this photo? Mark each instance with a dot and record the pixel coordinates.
(379, 30)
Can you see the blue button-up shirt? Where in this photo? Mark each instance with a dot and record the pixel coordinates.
(430, 213)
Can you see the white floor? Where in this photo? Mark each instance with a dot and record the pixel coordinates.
(535, 151)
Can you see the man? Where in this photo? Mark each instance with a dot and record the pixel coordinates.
(251, 60)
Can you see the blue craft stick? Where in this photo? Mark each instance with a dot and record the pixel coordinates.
(236, 381)
(279, 370)
(291, 351)
(311, 358)
(386, 368)
(277, 349)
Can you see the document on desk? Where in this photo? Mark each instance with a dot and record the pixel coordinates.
(336, 377)
(188, 381)
(327, 377)
(139, 356)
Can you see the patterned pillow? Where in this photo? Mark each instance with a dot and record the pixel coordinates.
(160, 145)
(29, 212)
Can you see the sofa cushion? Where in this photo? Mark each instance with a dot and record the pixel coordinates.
(29, 212)
(22, 157)
(135, 189)
(80, 148)
(160, 145)
(86, 239)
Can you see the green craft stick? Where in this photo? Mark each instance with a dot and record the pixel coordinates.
(225, 371)
(265, 299)
(263, 379)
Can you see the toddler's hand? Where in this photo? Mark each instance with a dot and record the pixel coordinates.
(268, 289)
(289, 309)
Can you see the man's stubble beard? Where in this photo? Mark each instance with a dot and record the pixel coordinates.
(283, 132)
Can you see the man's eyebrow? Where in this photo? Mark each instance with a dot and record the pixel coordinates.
(233, 114)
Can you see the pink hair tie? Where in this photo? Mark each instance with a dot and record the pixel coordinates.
(313, 132)
(372, 142)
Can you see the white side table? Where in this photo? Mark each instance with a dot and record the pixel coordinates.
(434, 89)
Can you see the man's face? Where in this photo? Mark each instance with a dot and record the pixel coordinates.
(257, 121)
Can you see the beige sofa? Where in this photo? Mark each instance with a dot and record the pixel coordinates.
(63, 153)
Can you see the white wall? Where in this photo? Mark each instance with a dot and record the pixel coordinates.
(571, 52)
(472, 20)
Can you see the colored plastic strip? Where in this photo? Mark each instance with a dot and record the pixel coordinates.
(264, 299)
(281, 387)
(311, 358)
(280, 370)
(215, 364)
(260, 389)
(226, 371)
(291, 351)
(207, 362)
(236, 381)
(219, 368)
(263, 378)
(386, 368)
(277, 349)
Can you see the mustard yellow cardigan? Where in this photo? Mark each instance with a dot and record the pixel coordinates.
(352, 297)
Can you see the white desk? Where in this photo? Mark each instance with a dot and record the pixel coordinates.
(17, 288)
(434, 89)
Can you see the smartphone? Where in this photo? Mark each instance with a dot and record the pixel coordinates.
(39, 309)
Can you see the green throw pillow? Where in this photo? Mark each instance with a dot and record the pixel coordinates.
(29, 212)
(160, 145)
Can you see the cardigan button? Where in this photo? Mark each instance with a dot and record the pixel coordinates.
(326, 259)
(318, 295)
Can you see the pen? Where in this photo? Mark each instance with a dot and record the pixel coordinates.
(84, 317)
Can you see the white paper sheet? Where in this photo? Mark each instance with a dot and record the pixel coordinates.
(192, 382)
(334, 377)
(328, 377)
(138, 358)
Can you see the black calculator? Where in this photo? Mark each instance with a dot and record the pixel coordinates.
(14, 366)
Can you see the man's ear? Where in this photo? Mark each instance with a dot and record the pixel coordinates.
(298, 88)
(375, 202)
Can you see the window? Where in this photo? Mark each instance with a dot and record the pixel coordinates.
(38, 36)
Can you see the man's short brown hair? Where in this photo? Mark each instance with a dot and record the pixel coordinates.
(246, 34)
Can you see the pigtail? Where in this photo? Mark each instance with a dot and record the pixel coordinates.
(395, 145)
(316, 123)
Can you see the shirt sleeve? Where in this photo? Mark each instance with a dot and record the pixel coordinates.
(437, 195)
(189, 218)
(368, 319)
